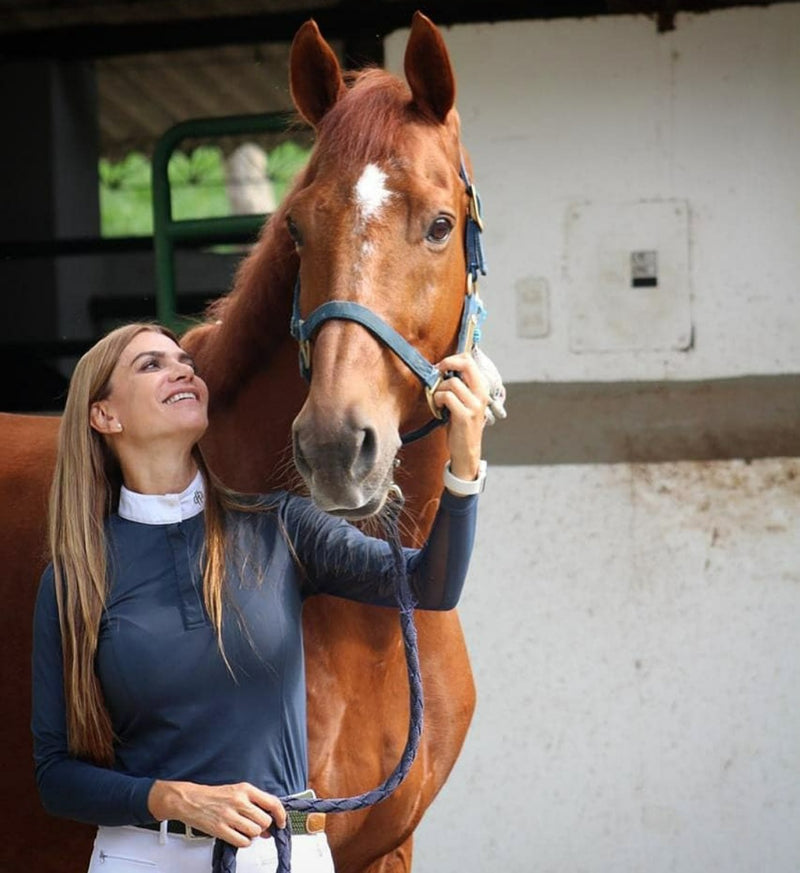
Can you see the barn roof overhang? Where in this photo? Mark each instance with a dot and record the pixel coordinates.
(160, 62)
(98, 28)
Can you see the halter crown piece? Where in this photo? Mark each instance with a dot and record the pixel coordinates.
(472, 317)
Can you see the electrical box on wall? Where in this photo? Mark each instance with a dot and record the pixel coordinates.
(627, 275)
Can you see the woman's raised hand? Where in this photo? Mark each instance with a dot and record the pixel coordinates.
(235, 813)
(466, 399)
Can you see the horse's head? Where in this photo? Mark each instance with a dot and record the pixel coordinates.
(379, 222)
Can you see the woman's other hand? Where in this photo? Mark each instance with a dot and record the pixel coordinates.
(235, 813)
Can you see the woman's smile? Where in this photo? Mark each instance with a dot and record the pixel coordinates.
(181, 395)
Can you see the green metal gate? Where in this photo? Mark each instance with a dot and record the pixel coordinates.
(169, 233)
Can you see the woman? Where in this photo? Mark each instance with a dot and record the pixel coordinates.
(169, 696)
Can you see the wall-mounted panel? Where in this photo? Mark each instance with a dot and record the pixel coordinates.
(627, 276)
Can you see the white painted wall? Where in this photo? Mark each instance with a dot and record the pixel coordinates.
(609, 111)
(633, 633)
(633, 629)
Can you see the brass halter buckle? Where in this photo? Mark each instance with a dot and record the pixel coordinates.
(305, 353)
(474, 206)
(430, 390)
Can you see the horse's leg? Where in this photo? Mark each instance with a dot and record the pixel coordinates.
(350, 753)
(380, 840)
(397, 861)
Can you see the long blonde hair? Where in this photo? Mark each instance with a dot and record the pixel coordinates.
(85, 490)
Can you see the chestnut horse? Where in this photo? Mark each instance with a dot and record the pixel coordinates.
(378, 219)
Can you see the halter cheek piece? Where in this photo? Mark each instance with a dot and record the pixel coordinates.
(472, 317)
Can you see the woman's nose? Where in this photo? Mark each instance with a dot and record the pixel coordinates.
(182, 370)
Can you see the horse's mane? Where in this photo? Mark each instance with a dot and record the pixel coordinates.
(366, 124)
(244, 327)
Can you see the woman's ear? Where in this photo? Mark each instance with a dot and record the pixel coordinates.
(102, 419)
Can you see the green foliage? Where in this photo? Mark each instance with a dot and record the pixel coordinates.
(285, 162)
(197, 182)
(126, 197)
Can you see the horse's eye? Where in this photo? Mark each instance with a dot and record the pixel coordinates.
(440, 230)
(294, 231)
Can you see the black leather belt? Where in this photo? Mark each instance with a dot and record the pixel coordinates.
(300, 822)
(176, 827)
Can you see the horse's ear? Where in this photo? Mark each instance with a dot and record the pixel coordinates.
(315, 77)
(428, 69)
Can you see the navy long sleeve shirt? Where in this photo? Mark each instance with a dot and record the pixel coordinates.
(177, 711)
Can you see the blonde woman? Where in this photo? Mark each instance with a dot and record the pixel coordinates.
(169, 695)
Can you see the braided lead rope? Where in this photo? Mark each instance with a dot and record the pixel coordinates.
(224, 858)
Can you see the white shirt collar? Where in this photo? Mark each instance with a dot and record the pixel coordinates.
(163, 508)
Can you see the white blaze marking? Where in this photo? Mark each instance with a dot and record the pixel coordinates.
(371, 193)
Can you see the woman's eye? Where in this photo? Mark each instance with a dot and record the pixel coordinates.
(440, 230)
(294, 231)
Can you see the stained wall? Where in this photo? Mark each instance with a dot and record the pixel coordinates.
(633, 625)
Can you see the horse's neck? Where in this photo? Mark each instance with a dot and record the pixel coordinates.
(248, 442)
(420, 478)
(252, 321)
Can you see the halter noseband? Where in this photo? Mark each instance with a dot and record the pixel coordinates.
(472, 317)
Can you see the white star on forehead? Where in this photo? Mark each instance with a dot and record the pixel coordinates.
(371, 192)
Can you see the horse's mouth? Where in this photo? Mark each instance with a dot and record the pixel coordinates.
(358, 514)
(370, 507)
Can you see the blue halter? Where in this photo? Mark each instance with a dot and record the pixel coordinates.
(472, 316)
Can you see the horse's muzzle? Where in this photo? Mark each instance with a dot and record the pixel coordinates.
(348, 468)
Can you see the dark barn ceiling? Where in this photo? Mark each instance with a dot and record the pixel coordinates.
(100, 27)
(159, 62)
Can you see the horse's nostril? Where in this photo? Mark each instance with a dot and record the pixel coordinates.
(366, 453)
(336, 461)
(300, 461)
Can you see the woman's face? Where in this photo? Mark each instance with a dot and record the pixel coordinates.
(155, 394)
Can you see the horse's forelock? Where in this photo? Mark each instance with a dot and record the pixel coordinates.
(367, 122)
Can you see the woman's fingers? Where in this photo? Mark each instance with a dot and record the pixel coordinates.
(253, 812)
(235, 836)
(468, 384)
(236, 813)
(457, 395)
(464, 365)
(241, 828)
(273, 808)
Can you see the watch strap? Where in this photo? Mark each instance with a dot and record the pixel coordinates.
(465, 487)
